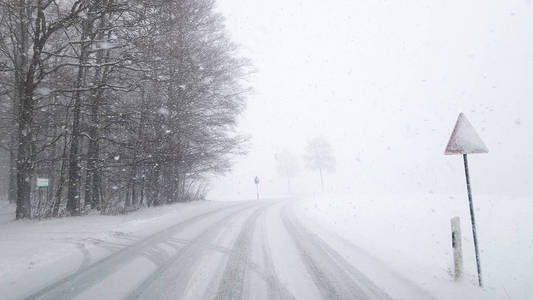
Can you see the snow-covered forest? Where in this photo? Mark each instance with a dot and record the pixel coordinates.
(118, 103)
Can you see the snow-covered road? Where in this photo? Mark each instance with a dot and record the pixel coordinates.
(249, 250)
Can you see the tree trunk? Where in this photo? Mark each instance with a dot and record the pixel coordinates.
(154, 185)
(74, 169)
(60, 184)
(12, 189)
(24, 107)
(93, 154)
(92, 185)
(24, 158)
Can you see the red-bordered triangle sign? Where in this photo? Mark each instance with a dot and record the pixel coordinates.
(464, 139)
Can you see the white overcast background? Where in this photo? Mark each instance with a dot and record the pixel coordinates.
(384, 82)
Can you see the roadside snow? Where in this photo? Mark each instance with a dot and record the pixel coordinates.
(36, 253)
(411, 234)
(7, 212)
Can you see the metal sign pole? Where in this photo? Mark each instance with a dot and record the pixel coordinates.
(39, 192)
(473, 219)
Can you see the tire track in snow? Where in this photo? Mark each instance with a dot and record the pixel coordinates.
(333, 275)
(275, 289)
(170, 280)
(411, 290)
(232, 283)
(86, 255)
(77, 282)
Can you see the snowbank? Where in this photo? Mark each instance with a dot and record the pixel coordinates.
(411, 234)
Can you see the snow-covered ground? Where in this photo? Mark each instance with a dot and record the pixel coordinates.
(362, 246)
(204, 250)
(411, 234)
(36, 253)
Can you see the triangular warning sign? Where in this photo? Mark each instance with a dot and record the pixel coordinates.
(464, 139)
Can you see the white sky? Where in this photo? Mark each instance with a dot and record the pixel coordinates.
(384, 82)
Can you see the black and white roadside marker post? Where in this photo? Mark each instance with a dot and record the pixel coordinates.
(457, 247)
(256, 180)
(464, 141)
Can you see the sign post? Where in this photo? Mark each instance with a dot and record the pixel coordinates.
(42, 183)
(465, 140)
(256, 180)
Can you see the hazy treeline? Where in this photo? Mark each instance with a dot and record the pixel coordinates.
(318, 156)
(119, 103)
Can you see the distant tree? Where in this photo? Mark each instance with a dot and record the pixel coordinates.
(287, 166)
(319, 156)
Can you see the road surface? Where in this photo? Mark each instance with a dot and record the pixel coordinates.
(252, 250)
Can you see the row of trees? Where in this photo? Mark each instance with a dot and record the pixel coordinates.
(318, 157)
(119, 103)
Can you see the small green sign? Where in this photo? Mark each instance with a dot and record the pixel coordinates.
(42, 182)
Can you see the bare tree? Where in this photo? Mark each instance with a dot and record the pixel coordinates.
(287, 166)
(119, 103)
(30, 26)
(319, 156)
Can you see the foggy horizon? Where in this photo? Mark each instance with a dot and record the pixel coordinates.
(395, 76)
